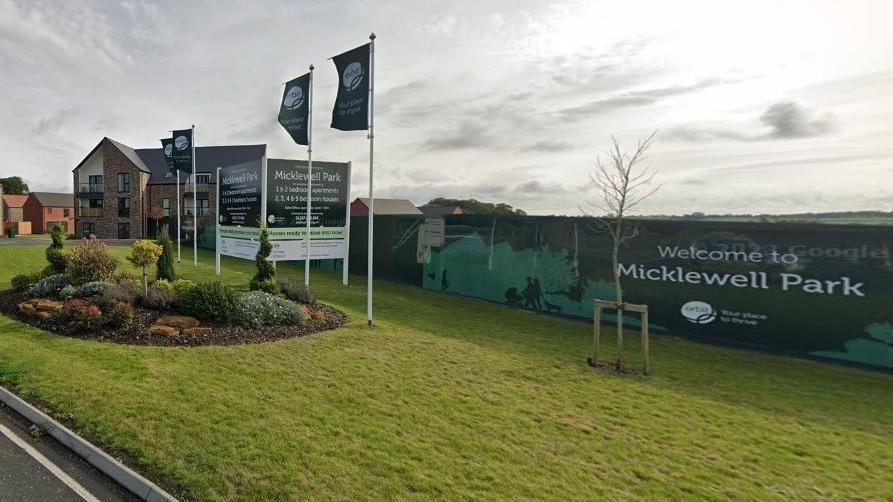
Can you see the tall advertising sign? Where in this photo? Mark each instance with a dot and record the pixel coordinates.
(286, 209)
(239, 197)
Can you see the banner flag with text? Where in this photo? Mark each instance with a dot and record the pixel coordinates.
(167, 148)
(182, 150)
(294, 108)
(351, 112)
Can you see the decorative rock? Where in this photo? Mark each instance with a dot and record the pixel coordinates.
(27, 308)
(43, 315)
(177, 321)
(158, 329)
(48, 305)
(196, 331)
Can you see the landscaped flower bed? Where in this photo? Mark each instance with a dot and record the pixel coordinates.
(90, 300)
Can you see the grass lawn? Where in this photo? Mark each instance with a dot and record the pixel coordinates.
(454, 398)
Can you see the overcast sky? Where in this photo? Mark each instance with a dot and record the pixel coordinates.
(760, 106)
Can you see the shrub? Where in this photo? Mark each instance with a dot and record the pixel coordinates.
(92, 289)
(88, 315)
(144, 253)
(157, 298)
(49, 286)
(113, 294)
(210, 301)
(124, 279)
(90, 261)
(120, 315)
(258, 308)
(164, 269)
(67, 293)
(264, 278)
(24, 281)
(163, 284)
(182, 286)
(55, 256)
(297, 292)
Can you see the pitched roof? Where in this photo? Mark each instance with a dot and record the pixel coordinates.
(52, 199)
(391, 206)
(439, 212)
(131, 155)
(14, 200)
(207, 160)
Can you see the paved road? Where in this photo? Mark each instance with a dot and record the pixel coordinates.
(40, 469)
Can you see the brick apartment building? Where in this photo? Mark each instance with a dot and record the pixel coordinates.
(127, 193)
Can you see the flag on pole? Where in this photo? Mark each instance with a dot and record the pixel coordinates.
(182, 151)
(167, 146)
(351, 112)
(293, 111)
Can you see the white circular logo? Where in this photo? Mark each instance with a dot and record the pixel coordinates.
(271, 219)
(181, 143)
(222, 218)
(353, 76)
(293, 98)
(168, 149)
(698, 312)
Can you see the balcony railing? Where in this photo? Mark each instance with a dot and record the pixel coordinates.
(199, 188)
(90, 188)
(90, 211)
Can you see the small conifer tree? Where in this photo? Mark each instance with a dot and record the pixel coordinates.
(55, 255)
(265, 278)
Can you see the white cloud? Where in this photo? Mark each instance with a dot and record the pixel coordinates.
(504, 101)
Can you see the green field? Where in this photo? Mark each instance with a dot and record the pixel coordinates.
(454, 398)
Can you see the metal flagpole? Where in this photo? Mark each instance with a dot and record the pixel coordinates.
(309, 177)
(178, 214)
(345, 264)
(194, 206)
(371, 197)
(217, 224)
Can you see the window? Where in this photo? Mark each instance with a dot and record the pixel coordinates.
(165, 207)
(87, 228)
(123, 182)
(66, 212)
(95, 203)
(94, 183)
(202, 206)
(123, 230)
(202, 179)
(123, 206)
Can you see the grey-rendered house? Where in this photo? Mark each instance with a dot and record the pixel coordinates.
(126, 193)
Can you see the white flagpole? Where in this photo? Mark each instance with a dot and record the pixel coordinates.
(178, 214)
(345, 264)
(194, 206)
(371, 196)
(309, 177)
(217, 224)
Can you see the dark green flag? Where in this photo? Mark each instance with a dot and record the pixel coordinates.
(182, 151)
(294, 107)
(351, 111)
(167, 148)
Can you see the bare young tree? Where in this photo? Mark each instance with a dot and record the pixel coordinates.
(621, 183)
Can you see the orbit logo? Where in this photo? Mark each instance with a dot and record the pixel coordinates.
(698, 312)
(168, 150)
(271, 219)
(352, 76)
(293, 98)
(181, 143)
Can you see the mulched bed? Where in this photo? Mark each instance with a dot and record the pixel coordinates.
(322, 318)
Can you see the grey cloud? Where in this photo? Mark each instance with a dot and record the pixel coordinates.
(637, 98)
(468, 134)
(790, 120)
(785, 120)
(550, 146)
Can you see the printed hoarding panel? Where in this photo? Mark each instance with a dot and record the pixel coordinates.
(239, 196)
(287, 209)
(817, 290)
